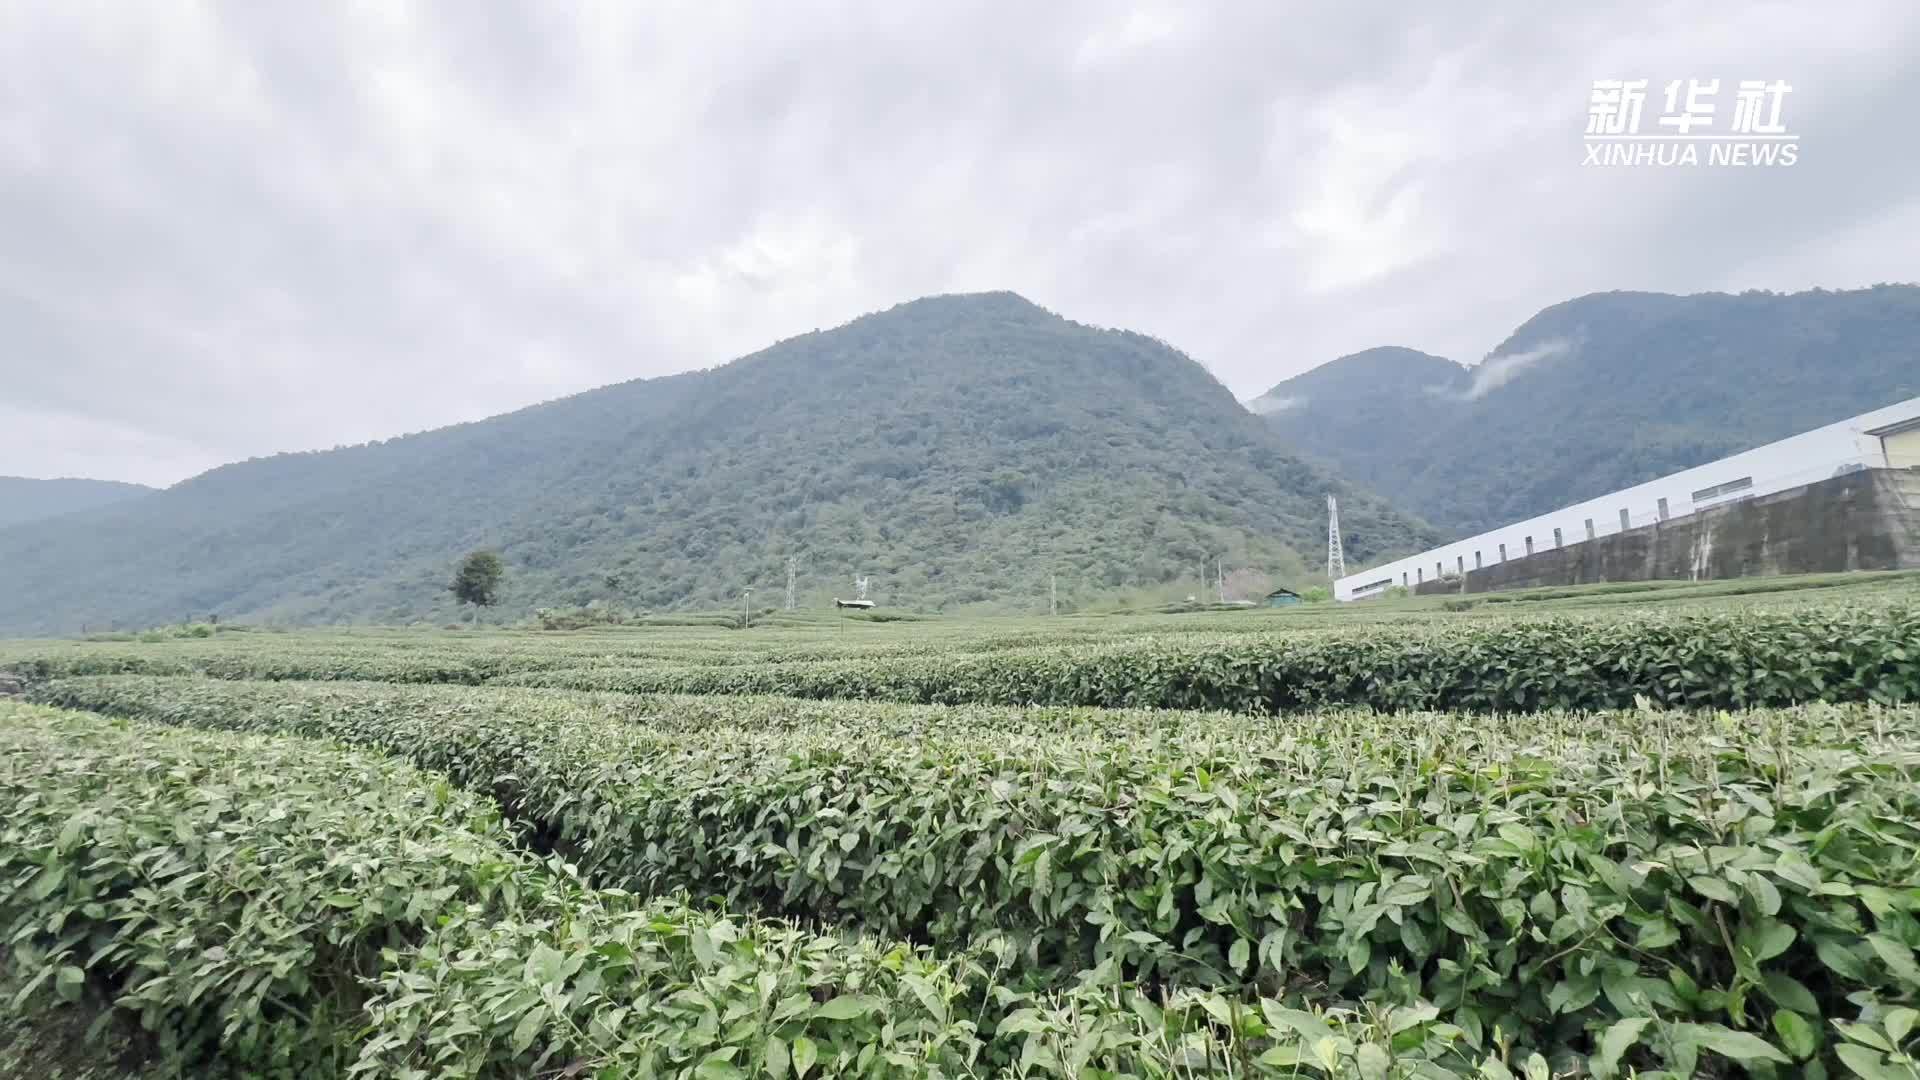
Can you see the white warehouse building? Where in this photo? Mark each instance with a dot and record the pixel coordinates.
(1882, 439)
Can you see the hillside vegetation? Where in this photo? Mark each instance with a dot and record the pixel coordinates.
(1599, 393)
(956, 450)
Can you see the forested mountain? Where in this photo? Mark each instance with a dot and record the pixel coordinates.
(23, 499)
(1599, 393)
(955, 449)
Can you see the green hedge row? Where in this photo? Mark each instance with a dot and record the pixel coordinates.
(232, 893)
(472, 657)
(1549, 876)
(1719, 658)
(272, 658)
(585, 983)
(275, 907)
(1723, 659)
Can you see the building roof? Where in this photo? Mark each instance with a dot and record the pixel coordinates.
(1896, 428)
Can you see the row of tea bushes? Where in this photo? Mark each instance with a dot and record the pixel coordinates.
(231, 892)
(583, 983)
(472, 657)
(279, 907)
(1547, 875)
(1721, 659)
(238, 893)
(273, 656)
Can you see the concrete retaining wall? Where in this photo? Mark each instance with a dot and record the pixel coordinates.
(1868, 520)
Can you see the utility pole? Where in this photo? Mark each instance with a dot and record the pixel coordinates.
(1220, 577)
(1053, 594)
(746, 609)
(1336, 559)
(791, 563)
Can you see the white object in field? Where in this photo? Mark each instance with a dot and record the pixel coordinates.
(1336, 558)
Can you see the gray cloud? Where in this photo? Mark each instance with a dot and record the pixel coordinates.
(1267, 404)
(1497, 371)
(232, 229)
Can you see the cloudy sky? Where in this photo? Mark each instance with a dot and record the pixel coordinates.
(232, 229)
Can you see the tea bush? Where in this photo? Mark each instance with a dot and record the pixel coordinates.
(231, 892)
(273, 907)
(1404, 655)
(581, 983)
(1722, 660)
(1550, 876)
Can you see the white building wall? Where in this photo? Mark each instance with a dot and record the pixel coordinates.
(1789, 463)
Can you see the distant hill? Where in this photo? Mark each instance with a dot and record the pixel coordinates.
(23, 500)
(954, 449)
(1599, 393)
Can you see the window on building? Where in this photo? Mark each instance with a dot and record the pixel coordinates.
(1556, 538)
(1529, 545)
(1503, 553)
(1403, 579)
(1437, 572)
(1419, 575)
(1460, 563)
(1476, 560)
(1663, 509)
(1625, 521)
(1589, 528)
(1727, 488)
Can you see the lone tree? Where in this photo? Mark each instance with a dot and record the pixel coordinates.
(477, 580)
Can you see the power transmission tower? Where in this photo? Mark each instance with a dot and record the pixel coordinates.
(1220, 577)
(1336, 559)
(860, 588)
(791, 563)
(1053, 594)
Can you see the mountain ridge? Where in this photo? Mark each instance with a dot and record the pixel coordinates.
(24, 499)
(957, 449)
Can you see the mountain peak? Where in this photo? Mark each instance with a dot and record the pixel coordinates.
(989, 300)
(1387, 369)
(948, 307)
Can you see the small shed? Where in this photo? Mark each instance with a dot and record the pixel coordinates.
(1283, 598)
(1901, 443)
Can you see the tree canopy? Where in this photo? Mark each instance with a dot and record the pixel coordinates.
(476, 580)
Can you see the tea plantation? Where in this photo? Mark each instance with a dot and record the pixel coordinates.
(1599, 833)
